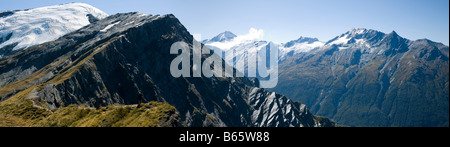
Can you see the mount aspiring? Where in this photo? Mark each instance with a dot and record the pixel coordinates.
(125, 59)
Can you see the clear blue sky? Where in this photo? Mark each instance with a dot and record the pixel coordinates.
(284, 20)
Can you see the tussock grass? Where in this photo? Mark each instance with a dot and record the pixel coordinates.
(18, 111)
(147, 115)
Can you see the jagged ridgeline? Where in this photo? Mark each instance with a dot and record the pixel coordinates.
(124, 55)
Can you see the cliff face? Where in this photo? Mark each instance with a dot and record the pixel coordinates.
(126, 54)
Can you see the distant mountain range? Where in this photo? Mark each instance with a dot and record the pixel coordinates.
(364, 77)
(369, 78)
(237, 51)
(226, 41)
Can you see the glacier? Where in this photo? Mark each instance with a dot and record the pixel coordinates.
(22, 29)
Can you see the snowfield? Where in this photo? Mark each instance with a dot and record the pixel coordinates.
(39, 25)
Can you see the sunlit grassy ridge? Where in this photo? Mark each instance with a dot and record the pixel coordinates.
(18, 111)
(146, 115)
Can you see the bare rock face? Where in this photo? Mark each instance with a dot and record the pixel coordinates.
(126, 54)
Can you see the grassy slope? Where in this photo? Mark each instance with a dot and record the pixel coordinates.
(147, 115)
(21, 111)
(18, 111)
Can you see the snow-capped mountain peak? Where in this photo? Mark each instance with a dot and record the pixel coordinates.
(301, 45)
(357, 31)
(360, 36)
(225, 36)
(20, 29)
(346, 37)
(302, 39)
